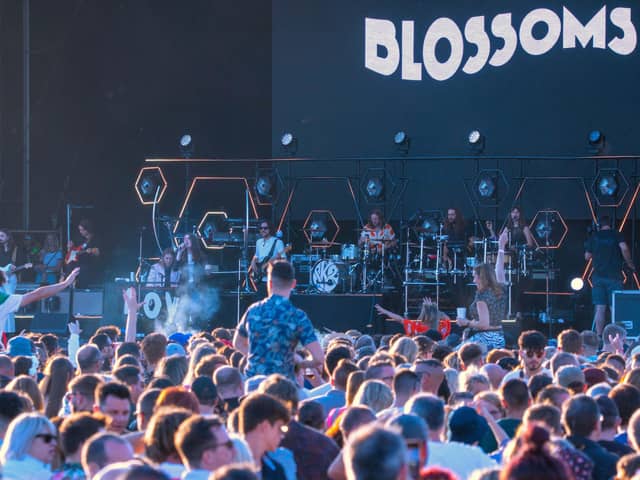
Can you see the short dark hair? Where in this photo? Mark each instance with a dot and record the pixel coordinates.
(101, 340)
(147, 401)
(627, 398)
(532, 340)
(153, 347)
(112, 331)
(470, 352)
(115, 389)
(94, 449)
(129, 374)
(608, 410)
(194, 437)
(538, 382)
(50, 341)
(515, 393)
(341, 373)
(375, 452)
(159, 435)
(205, 390)
(282, 272)
(580, 415)
(406, 382)
(260, 407)
(77, 428)
(128, 348)
(550, 393)
(281, 388)
(570, 341)
(356, 416)
(85, 384)
(11, 405)
(548, 414)
(334, 355)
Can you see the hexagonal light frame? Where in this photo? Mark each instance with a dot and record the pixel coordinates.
(194, 182)
(564, 226)
(279, 185)
(306, 224)
(623, 180)
(136, 186)
(203, 221)
(500, 176)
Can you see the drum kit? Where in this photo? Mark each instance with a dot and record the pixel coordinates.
(355, 269)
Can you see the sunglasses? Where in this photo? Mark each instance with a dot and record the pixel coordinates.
(228, 444)
(537, 353)
(47, 437)
(264, 228)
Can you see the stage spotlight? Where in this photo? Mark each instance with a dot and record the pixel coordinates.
(577, 284)
(608, 186)
(401, 141)
(375, 188)
(543, 229)
(596, 141)
(428, 223)
(486, 187)
(320, 227)
(549, 229)
(476, 141)
(149, 182)
(186, 145)
(289, 142)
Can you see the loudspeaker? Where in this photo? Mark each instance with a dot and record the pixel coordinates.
(50, 323)
(87, 303)
(624, 310)
(59, 303)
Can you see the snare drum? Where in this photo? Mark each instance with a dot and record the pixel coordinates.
(328, 276)
(350, 252)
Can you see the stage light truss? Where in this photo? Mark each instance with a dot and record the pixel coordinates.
(198, 181)
(549, 229)
(610, 187)
(147, 183)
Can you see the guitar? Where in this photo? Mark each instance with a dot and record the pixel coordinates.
(261, 267)
(10, 285)
(74, 253)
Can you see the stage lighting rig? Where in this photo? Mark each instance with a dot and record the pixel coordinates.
(267, 187)
(186, 145)
(402, 141)
(610, 187)
(490, 187)
(577, 284)
(549, 229)
(289, 143)
(476, 141)
(596, 141)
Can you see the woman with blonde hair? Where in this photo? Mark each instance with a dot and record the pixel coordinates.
(28, 386)
(406, 347)
(374, 394)
(29, 447)
(58, 373)
(489, 307)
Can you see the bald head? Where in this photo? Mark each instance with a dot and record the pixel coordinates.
(89, 359)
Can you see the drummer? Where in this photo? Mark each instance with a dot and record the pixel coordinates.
(454, 229)
(377, 234)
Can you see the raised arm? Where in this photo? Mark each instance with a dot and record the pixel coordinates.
(49, 290)
(390, 315)
(130, 297)
(502, 243)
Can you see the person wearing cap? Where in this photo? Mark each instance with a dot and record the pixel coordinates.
(20, 347)
(11, 303)
(175, 349)
(572, 378)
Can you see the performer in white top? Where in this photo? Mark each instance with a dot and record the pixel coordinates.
(164, 273)
(268, 248)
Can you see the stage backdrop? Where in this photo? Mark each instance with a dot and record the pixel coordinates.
(533, 76)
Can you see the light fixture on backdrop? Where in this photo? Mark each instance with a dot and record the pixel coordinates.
(610, 187)
(150, 181)
(186, 145)
(490, 187)
(289, 143)
(402, 141)
(320, 228)
(376, 185)
(476, 141)
(576, 284)
(549, 229)
(268, 186)
(596, 141)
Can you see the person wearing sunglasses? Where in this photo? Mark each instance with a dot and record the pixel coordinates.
(28, 448)
(268, 249)
(531, 344)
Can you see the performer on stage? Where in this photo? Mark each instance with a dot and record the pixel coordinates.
(519, 232)
(376, 233)
(49, 266)
(86, 255)
(163, 273)
(455, 230)
(606, 249)
(190, 259)
(490, 305)
(268, 249)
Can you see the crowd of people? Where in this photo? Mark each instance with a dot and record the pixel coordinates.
(273, 399)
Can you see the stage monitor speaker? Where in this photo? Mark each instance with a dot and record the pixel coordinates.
(87, 303)
(59, 303)
(50, 323)
(624, 310)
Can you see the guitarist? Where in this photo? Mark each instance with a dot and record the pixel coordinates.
(85, 255)
(268, 248)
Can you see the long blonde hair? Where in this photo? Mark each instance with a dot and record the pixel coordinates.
(374, 394)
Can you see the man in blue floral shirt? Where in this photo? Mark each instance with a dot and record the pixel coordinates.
(270, 330)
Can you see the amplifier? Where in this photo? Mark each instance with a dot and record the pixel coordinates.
(87, 302)
(625, 307)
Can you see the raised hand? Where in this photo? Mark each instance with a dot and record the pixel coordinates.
(72, 276)
(74, 327)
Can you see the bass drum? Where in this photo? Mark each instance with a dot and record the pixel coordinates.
(328, 276)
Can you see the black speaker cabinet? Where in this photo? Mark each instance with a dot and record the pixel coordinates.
(87, 303)
(50, 323)
(625, 307)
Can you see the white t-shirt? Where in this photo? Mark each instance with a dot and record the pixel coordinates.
(263, 247)
(520, 374)
(9, 306)
(460, 458)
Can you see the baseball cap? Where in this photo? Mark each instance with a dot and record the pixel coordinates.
(20, 346)
(175, 349)
(569, 375)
